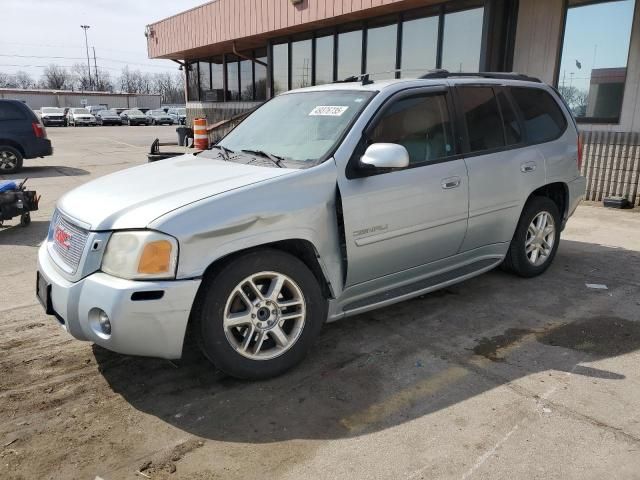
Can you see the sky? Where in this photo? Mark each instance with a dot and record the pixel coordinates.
(597, 36)
(35, 31)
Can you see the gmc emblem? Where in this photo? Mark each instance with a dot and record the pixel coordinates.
(62, 237)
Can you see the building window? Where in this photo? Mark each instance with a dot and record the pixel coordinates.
(233, 90)
(280, 65)
(419, 46)
(349, 54)
(204, 72)
(593, 69)
(301, 64)
(192, 82)
(381, 51)
(260, 75)
(246, 80)
(217, 81)
(324, 60)
(461, 40)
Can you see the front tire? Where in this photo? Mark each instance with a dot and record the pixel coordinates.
(258, 316)
(535, 242)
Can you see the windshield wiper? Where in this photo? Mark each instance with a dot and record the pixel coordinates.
(274, 158)
(224, 152)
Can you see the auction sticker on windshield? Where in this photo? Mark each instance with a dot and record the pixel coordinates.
(329, 110)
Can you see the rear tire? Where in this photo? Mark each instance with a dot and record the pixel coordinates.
(10, 160)
(535, 242)
(259, 315)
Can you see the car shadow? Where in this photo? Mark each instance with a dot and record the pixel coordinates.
(12, 233)
(44, 171)
(387, 367)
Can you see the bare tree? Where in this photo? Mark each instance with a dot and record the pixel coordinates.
(576, 99)
(7, 80)
(23, 80)
(81, 77)
(56, 78)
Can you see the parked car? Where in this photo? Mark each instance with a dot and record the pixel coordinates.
(133, 117)
(93, 109)
(80, 116)
(159, 117)
(325, 202)
(52, 116)
(22, 135)
(108, 117)
(179, 115)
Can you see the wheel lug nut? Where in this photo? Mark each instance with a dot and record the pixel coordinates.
(253, 315)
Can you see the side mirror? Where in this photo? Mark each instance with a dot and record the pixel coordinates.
(385, 155)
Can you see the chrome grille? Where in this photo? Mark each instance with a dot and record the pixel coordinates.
(70, 256)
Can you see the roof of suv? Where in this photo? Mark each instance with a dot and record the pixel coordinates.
(434, 78)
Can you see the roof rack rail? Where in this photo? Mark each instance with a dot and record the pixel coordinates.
(354, 78)
(493, 75)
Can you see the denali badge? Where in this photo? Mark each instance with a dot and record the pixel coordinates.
(62, 237)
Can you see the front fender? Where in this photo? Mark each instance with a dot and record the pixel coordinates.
(300, 206)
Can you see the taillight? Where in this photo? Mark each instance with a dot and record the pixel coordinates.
(579, 152)
(38, 130)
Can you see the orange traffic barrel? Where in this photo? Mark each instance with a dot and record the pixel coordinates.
(200, 136)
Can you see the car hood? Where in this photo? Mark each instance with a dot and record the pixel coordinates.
(134, 197)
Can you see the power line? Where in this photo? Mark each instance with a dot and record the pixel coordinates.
(113, 60)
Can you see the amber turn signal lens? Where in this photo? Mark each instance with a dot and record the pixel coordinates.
(155, 258)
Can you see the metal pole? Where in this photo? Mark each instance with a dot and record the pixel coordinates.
(95, 66)
(86, 45)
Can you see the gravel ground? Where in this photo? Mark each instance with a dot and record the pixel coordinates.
(497, 377)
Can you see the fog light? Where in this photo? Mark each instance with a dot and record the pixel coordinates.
(103, 321)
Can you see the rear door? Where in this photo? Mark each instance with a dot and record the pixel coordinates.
(503, 170)
(399, 219)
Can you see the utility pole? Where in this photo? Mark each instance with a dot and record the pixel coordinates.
(86, 46)
(95, 67)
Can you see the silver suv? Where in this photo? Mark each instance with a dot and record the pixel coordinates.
(325, 202)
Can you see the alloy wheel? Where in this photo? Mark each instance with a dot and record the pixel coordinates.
(8, 160)
(541, 236)
(264, 315)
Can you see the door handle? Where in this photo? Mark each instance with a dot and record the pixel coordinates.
(528, 167)
(452, 182)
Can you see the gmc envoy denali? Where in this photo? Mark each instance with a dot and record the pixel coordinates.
(323, 203)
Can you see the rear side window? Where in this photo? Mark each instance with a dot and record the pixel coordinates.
(542, 117)
(482, 116)
(512, 133)
(10, 111)
(420, 124)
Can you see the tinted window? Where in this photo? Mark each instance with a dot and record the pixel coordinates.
(324, 60)
(205, 80)
(420, 124)
(512, 133)
(233, 87)
(280, 64)
(461, 40)
(301, 64)
(349, 54)
(419, 46)
(261, 75)
(543, 119)
(482, 116)
(217, 82)
(593, 70)
(9, 111)
(381, 51)
(246, 80)
(192, 81)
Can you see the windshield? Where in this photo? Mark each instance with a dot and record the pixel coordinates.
(52, 110)
(181, 111)
(157, 112)
(80, 110)
(108, 112)
(134, 112)
(299, 126)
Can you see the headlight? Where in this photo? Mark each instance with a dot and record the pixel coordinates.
(141, 255)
